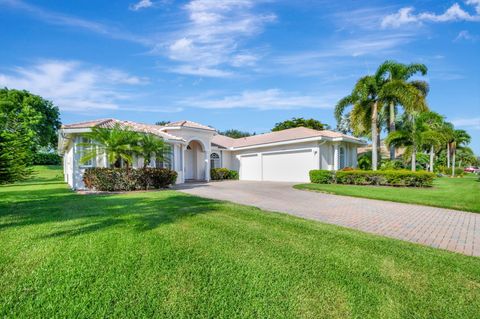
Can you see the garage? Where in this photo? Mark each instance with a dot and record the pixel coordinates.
(279, 166)
(250, 167)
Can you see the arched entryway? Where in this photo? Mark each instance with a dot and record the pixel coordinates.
(195, 161)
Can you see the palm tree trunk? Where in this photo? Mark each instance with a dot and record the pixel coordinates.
(453, 162)
(432, 154)
(448, 155)
(374, 136)
(414, 159)
(391, 129)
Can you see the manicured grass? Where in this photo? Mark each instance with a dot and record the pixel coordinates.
(171, 255)
(456, 193)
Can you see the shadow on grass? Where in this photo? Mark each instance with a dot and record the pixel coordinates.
(83, 214)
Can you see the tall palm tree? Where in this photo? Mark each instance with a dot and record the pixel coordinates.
(368, 97)
(460, 139)
(448, 132)
(117, 143)
(150, 145)
(432, 136)
(393, 71)
(418, 131)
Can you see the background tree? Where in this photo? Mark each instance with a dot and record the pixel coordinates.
(233, 133)
(162, 123)
(18, 136)
(46, 128)
(395, 72)
(299, 122)
(117, 143)
(344, 126)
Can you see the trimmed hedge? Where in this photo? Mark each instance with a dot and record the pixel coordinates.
(319, 176)
(46, 159)
(121, 179)
(381, 178)
(219, 174)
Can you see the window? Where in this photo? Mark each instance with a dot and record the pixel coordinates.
(342, 157)
(84, 150)
(215, 160)
(166, 162)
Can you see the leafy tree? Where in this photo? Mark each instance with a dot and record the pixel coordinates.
(299, 122)
(344, 126)
(117, 143)
(233, 133)
(150, 145)
(393, 71)
(369, 95)
(18, 123)
(162, 123)
(48, 123)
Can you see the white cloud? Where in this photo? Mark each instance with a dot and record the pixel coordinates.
(406, 15)
(72, 85)
(201, 71)
(61, 19)
(465, 35)
(271, 99)
(469, 123)
(142, 4)
(213, 36)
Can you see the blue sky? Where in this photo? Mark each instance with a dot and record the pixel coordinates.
(243, 64)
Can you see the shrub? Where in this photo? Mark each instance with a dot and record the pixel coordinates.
(219, 174)
(320, 176)
(388, 165)
(46, 159)
(121, 179)
(383, 178)
(458, 171)
(232, 174)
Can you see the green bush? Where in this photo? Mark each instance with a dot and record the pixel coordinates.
(320, 176)
(46, 159)
(381, 178)
(233, 174)
(388, 165)
(219, 174)
(121, 179)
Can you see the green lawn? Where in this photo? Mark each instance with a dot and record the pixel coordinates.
(171, 255)
(457, 193)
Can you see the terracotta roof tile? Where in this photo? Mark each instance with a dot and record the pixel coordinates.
(138, 127)
(190, 124)
(279, 136)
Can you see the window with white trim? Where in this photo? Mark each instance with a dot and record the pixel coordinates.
(215, 160)
(167, 161)
(342, 157)
(83, 150)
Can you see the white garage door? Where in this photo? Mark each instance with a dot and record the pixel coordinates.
(291, 166)
(250, 168)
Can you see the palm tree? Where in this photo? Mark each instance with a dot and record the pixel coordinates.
(150, 145)
(432, 136)
(368, 96)
(117, 143)
(393, 71)
(418, 131)
(460, 138)
(448, 132)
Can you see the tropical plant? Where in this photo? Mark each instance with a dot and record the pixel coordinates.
(116, 143)
(396, 72)
(300, 122)
(162, 123)
(418, 131)
(150, 145)
(369, 95)
(460, 139)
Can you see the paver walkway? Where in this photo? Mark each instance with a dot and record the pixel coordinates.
(437, 227)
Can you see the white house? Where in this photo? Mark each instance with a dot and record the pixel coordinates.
(285, 156)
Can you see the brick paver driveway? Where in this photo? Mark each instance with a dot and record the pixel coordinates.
(437, 227)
